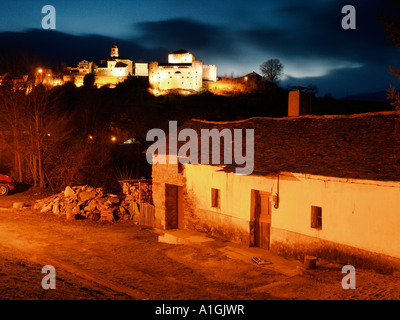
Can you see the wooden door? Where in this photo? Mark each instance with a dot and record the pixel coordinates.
(262, 219)
(173, 207)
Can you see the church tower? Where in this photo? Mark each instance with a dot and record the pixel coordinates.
(114, 51)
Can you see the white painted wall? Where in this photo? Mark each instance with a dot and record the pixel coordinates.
(141, 69)
(176, 77)
(180, 58)
(210, 72)
(359, 213)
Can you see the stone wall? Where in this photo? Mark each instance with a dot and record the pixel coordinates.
(162, 175)
(297, 245)
(169, 185)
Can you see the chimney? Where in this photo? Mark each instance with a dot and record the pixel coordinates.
(299, 103)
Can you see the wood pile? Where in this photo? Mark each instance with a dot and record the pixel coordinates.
(84, 202)
(137, 191)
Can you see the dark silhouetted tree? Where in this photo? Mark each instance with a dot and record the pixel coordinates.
(272, 70)
(88, 80)
(392, 29)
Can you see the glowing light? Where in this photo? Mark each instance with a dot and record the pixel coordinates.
(156, 92)
(40, 70)
(113, 138)
(90, 137)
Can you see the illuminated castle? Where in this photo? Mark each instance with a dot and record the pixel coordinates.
(115, 65)
(112, 70)
(181, 72)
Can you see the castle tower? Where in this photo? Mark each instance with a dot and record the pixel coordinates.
(114, 51)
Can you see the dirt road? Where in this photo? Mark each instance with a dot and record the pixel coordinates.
(124, 261)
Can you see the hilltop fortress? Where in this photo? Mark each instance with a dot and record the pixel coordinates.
(181, 72)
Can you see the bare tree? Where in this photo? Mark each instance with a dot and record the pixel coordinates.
(272, 70)
(45, 129)
(12, 99)
(392, 29)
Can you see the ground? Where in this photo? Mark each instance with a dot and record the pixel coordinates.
(124, 261)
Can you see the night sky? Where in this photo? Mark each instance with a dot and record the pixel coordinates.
(237, 36)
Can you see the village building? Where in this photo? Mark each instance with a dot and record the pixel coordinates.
(113, 69)
(181, 72)
(141, 69)
(251, 82)
(76, 73)
(319, 183)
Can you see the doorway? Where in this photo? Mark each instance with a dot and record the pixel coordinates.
(261, 217)
(173, 207)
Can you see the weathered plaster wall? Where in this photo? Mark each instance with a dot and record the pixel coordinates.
(355, 213)
(358, 213)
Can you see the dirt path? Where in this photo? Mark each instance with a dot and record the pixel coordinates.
(124, 261)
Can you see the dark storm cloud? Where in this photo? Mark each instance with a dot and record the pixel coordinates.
(183, 33)
(306, 36)
(52, 47)
(343, 82)
(314, 31)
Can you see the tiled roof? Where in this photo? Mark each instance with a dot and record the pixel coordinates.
(120, 64)
(181, 51)
(179, 65)
(363, 146)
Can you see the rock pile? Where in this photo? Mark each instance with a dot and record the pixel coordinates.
(84, 202)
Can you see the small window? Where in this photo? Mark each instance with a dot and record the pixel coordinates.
(316, 217)
(215, 198)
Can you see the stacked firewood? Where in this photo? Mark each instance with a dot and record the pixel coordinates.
(137, 191)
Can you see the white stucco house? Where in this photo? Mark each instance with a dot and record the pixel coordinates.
(318, 183)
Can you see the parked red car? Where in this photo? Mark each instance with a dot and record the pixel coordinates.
(7, 184)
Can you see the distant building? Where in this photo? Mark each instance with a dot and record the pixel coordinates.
(110, 71)
(141, 69)
(114, 65)
(181, 72)
(77, 72)
(113, 69)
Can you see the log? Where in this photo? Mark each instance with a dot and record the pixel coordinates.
(18, 205)
(310, 262)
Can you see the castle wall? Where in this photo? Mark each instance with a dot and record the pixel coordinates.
(169, 77)
(210, 72)
(141, 69)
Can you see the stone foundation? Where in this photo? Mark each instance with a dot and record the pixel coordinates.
(293, 244)
(219, 225)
